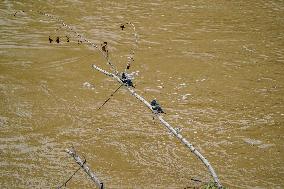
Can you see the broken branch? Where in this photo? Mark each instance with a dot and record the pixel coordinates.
(169, 127)
(83, 165)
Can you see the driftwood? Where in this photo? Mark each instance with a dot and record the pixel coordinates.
(168, 126)
(116, 76)
(83, 165)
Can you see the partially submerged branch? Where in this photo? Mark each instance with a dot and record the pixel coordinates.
(116, 76)
(83, 165)
(169, 127)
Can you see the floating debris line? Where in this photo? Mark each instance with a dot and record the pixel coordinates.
(130, 57)
(81, 39)
(124, 80)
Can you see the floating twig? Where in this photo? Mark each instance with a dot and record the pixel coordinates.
(65, 183)
(110, 96)
(195, 180)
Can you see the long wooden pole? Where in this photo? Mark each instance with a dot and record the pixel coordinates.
(168, 126)
(115, 76)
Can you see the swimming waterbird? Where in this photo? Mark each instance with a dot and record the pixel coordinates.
(122, 26)
(50, 40)
(57, 40)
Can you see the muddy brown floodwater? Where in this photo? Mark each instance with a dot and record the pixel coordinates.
(216, 67)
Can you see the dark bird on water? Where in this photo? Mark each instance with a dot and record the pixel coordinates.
(57, 40)
(122, 26)
(156, 107)
(50, 40)
(128, 66)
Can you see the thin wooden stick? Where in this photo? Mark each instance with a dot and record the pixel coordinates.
(169, 127)
(130, 57)
(83, 165)
(110, 96)
(64, 184)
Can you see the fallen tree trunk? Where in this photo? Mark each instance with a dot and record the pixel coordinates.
(168, 126)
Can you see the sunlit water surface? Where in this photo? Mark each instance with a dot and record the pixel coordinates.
(216, 67)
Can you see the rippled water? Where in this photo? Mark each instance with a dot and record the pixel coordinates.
(215, 67)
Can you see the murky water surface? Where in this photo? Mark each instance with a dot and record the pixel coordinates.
(215, 66)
